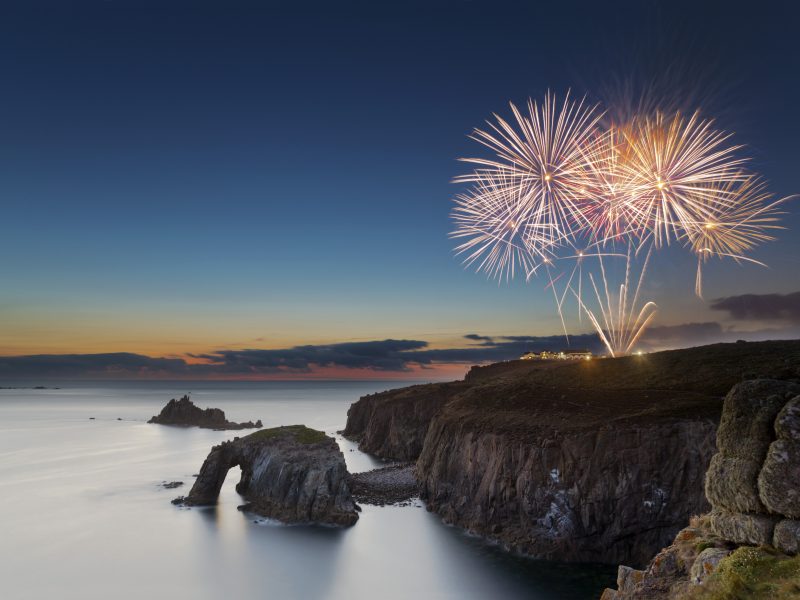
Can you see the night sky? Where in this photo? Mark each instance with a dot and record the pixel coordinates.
(192, 180)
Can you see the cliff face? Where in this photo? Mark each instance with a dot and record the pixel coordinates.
(753, 485)
(599, 460)
(293, 474)
(594, 489)
(393, 424)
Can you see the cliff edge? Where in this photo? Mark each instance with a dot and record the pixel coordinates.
(600, 460)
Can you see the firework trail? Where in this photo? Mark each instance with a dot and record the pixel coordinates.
(560, 188)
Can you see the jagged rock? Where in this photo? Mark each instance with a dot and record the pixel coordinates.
(706, 563)
(627, 578)
(293, 474)
(787, 536)
(742, 528)
(184, 412)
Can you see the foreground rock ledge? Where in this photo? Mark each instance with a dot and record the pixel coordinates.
(184, 412)
(293, 474)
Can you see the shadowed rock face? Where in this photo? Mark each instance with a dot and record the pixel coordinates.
(753, 485)
(293, 474)
(184, 412)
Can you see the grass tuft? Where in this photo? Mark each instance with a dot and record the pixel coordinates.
(301, 433)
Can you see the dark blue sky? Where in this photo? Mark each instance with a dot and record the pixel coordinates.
(190, 176)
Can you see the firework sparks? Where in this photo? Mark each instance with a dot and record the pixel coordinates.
(540, 162)
(670, 164)
(735, 225)
(619, 323)
(559, 188)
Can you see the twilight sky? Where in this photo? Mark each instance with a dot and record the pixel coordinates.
(263, 188)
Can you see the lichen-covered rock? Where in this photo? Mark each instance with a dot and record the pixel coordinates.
(706, 563)
(746, 427)
(731, 483)
(787, 536)
(293, 474)
(183, 412)
(627, 578)
(746, 430)
(779, 481)
(787, 425)
(742, 528)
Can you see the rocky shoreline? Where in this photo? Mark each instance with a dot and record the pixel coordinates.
(391, 485)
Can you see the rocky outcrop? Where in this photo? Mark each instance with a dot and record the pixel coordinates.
(753, 484)
(293, 474)
(592, 481)
(600, 460)
(184, 412)
(393, 424)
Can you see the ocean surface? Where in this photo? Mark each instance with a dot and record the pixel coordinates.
(84, 514)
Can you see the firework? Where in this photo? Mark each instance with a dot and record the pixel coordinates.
(670, 164)
(619, 323)
(540, 162)
(734, 225)
(560, 190)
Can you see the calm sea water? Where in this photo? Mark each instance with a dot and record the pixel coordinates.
(83, 514)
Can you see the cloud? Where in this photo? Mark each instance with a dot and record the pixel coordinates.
(761, 307)
(384, 355)
(88, 365)
(380, 356)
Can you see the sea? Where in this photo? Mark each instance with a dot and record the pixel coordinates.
(84, 513)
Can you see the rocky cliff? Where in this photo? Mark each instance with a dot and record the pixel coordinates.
(184, 412)
(393, 424)
(599, 460)
(293, 474)
(592, 478)
(743, 547)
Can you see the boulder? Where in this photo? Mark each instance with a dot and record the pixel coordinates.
(787, 536)
(732, 483)
(742, 528)
(184, 412)
(293, 474)
(746, 427)
(746, 430)
(779, 481)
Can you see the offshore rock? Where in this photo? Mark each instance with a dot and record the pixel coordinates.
(293, 474)
(184, 412)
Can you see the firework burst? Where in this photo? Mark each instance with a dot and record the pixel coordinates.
(540, 161)
(560, 189)
(670, 165)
